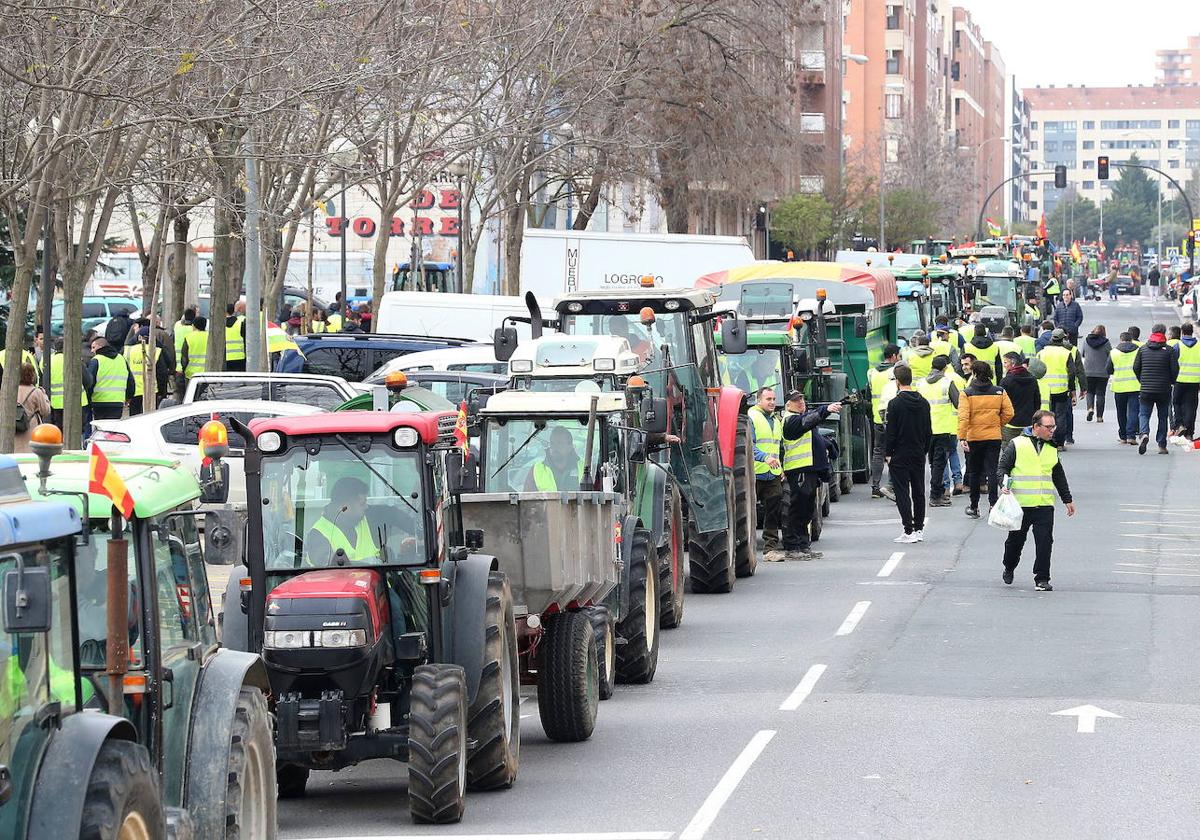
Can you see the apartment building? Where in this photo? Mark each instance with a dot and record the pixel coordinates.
(1179, 67)
(1072, 126)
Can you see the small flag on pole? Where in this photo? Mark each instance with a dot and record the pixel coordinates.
(1041, 228)
(993, 228)
(1076, 254)
(103, 480)
(460, 429)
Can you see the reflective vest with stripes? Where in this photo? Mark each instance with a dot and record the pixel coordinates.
(880, 381)
(1124, 380)
(1055, 358)
(798, 452)
(333, 322)
(135, 354)
(27, 358)
(1189, 363)
(364, 547)
(940, 347)
(543, 477)
(1005, 347)
(942, 415)
(1030, 480)
(57, 400)
(197, 348)
(112, 375)
(1027, 344)
(983, 354)
(235, 345)
(767, 433)
(180, 332)
(920, 364)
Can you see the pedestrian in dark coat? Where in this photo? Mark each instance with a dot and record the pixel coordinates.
(909, 435)
(1156, 367)
(1097, 368)
(1068, 316)
(1023, 393)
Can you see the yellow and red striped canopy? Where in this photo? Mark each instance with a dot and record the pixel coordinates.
(880, 281)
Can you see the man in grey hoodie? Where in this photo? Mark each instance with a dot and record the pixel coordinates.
(1097, 368)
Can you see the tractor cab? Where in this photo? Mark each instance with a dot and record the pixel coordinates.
(566, 364)
(363, 589)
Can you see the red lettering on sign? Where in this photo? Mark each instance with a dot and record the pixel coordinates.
(449, 226)
(364, 227)
(335, 225)
(397, 227)
(449, 200)
(422, 226)
(423, 201)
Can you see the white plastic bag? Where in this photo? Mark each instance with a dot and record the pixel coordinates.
(1006, 513)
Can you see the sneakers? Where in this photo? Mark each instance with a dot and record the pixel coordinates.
(973, 512)
(920, 535)
(1091, 414)
(1162, 450)
(1007, 577)
(960, 489)
(775, 555)
(907, 538)
(888, 493)
(876, 493)
(1043, 586)
(940, 501)
(1142, 446)
(805, 554)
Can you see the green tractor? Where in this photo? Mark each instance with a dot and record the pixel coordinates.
(186, 747)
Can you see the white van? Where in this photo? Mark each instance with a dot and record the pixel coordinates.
(442, 315)
(470, 358)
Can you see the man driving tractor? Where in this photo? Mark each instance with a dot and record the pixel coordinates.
(342, 532)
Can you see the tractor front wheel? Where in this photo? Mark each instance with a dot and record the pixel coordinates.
(250, 793)
(745, 524)
(122, 798)
(494, 719)
(568, 687)
(670, 566)
(437, 744)
(637, 658)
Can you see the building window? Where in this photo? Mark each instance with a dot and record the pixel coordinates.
(1033, 185)
(1033, 145)
(1192, 126)
(812, 59)
(1051, 125)
(812, 183)
(1068, 146)
(1033, 205)
(1125, 125)
(1089, 144)
(893, 17)
(1089, 125)
(1089, 164)
(1051, 146)
(1172, 164)
(894, 106)
(1172, 144)
(1033, 126)
(1089, 185)
(893, 62)
(812, 122)
(1172, 123)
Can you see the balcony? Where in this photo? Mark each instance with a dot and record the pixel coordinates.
(812, 67)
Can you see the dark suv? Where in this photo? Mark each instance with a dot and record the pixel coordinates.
(354, 356)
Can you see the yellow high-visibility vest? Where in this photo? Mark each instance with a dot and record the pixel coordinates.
(1124, 380)
(767, 433)
(112, 375)
(135, 354)
(879, 381)
(235, 345)
(179, 333)
(797, 452)
(1030, 480)
(364, 547)
(1056, 358)
(196, 343)
(1189, 363)
(57, 400)
(943, 417)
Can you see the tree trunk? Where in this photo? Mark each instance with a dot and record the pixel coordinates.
(223, 262)
(179, 269)
(587, 207)
(514, 234)
(379, 269)
(69, 268)
(466, 247)
(14, 342)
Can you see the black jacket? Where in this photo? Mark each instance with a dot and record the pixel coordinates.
(985, 350)
(92, 366)
(1156, 367)
(795, 425)
(1023, 393)
(908, 432)
(1008, 460)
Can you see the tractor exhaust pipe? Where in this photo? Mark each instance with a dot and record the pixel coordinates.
(117, 644)
(535, 315)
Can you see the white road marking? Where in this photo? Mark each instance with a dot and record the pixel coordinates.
(1160, 550)
(595, 835)
(856, 614)
(807, 684)
(893, 583)
(704, 818)
(1087, 717)
(1159, 574)
(1174, 537)
(1162, 524)
(891, 564)
(868, 521)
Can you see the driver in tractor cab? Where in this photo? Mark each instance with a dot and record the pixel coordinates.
(761, 374)
(619, 326)
(343, 528)
(560, 467)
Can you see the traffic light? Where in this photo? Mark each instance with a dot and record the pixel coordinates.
(1191, 244)
(1060, 176)
(1102, 167)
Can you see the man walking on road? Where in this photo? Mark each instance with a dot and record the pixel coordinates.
(1187, 386)
(909, 433)
(883, 388)
(766, 432)
(1060, 380)
(1030, 463)
(1068, 317)
(803, 481)
(1023, 393)
(1156, 368)
(1125, 389)
(983, 409)
(942, 395)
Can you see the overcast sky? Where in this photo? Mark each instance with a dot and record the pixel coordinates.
(1090, 42)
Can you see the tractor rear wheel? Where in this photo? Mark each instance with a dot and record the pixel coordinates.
(745, 525)
(670, 566)
(606, 649)
(568, 678)
(437, 744)
(828, 494)
(710, 568)
(291, 779)
(494, 719)
(835, 489)
(122, 799)
(637, 659)
(250, 793)
(817, 523)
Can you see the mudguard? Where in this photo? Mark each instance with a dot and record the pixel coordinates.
(235, 624)
(466, 614)
(629, 525)
(220, 682)
(652, 501)
(61, 788)
(729, 404)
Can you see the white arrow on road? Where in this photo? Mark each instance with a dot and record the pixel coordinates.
(1087, 716)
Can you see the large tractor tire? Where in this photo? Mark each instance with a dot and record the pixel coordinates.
(568, 678)
(122, 799)
(291, 780)
(835, 489)
(745, 520)
(637, 658)
(818, 523)
(494, 719)
(437, 744)
(867, 430)
(826, 500)
(710, 567)
(845, 483)
(250, 792)
(606, 649)
(670, 566)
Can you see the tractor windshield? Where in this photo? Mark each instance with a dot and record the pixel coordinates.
(997, 290)
(758, 367)
(346, 503)
(908, 315)
(547, 454)
(669, 329)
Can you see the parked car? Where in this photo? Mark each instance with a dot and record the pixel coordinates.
(467, 358)
(1125, 285)
(457, 386)
(97, 311)
(326, 392)
(174, 432)
(352, 356)
(291, 297)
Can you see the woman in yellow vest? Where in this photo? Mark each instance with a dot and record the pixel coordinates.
(1125, 389)
(1034, 475)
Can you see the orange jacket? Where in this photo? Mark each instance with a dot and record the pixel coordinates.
(982, 411)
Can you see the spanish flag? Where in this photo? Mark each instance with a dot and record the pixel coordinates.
(460, 429)
(1041, 228)
(103, 480)
(1076, 254)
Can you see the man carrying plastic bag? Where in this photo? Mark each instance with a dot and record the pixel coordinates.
(1031, 466)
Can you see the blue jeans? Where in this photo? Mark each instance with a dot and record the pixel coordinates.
(952, 476)
(1127, 415)
(1147, 404)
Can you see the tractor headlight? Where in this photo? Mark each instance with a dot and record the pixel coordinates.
(269, 442)
(287, 639)
(604, 364)
(521, 365)
(340, 638)
(406, 436)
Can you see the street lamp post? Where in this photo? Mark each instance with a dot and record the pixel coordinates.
(567, 132)
(458, 170)
(887, 86)
(860, 60)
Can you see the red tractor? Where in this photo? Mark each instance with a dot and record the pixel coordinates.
(384, 632)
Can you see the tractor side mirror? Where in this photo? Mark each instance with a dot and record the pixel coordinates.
(462, 475)
(214, 483)
(504, 343)
(860, 326)
(26, 599)
(654, 415)
(733, 336)
(637, 447)
(474, 539)
(222, 538)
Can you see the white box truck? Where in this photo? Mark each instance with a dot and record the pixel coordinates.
(558, 262)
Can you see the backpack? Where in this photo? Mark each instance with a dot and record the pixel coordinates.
(1037, 367)
(22, 424)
